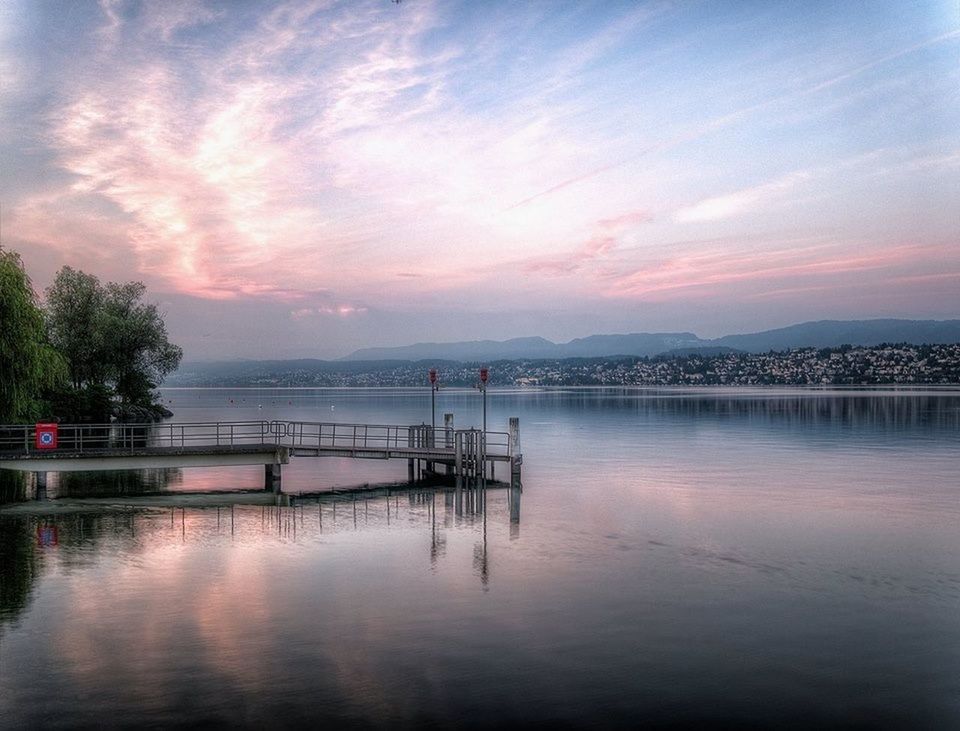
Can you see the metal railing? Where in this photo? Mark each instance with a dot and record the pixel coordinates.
(119, 437)
(309, 434)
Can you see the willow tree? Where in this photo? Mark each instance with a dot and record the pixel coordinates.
(29, 365)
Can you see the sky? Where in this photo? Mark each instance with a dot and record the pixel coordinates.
(301, 179)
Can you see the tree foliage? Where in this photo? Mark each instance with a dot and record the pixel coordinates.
(109, 336)
(134, 341)
(74, 306)
(29, 366)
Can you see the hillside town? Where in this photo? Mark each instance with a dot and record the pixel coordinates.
(845, 365)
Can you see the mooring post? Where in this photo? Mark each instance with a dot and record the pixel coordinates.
(271, 477)
(448, 437)
(448, 430)
(410, 467)
(458, 454)
(41, 481)
(516, 454)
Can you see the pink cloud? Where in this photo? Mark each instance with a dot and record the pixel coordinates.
(604, 241)
(789, 269)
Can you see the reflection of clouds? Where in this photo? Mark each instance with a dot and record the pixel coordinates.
(236, 597)
(92, 637)
(153, 600)
(172, 608)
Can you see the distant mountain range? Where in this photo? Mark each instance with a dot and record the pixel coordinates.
(595, 345)
(820, 334)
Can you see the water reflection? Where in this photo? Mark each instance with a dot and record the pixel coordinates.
(727, 563)
(20, 565)
(878, 409)
(127, 482)
(29, 542)
(13, 486)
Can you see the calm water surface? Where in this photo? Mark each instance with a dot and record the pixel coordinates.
(749, 558)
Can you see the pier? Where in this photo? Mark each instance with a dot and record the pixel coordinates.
(461, 454)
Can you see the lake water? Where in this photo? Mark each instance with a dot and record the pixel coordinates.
(747, 558)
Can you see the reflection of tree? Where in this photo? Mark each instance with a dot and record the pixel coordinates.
(12, 486)
(19, 566)
(21, 558)
(117, 482)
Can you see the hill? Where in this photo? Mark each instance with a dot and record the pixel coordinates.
(820, 334)
(833, 333)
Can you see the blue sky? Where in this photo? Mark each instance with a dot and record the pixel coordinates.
(301, 179)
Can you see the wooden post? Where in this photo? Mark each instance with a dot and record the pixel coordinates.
(516, 454)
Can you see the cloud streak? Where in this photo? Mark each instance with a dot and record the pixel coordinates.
(742, 201)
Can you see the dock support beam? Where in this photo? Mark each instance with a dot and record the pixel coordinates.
(41, 481)
(271, 477)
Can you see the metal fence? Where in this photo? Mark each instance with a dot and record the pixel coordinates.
(310, 434)
(87, 438)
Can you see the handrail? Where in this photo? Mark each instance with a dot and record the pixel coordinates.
(87, 438)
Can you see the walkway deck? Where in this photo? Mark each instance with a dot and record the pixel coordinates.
(142, 457)
(118, 446)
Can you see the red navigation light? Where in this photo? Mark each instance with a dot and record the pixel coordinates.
(46, 436)
(484, 374)
(433, 375)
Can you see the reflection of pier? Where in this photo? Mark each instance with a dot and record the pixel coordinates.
(464, 456)
(72, 527)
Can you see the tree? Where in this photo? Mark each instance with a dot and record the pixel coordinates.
(134, 340)
(75, 303)
(29, 366)
(110, 338)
